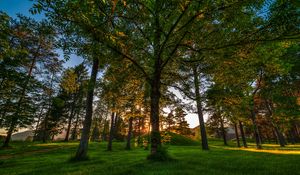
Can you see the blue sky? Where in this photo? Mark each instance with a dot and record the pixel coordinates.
(14, 7)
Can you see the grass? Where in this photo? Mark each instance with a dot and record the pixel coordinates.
(53, 158)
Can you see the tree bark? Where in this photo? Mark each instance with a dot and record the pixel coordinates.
(45, 134)
(44, 138)
(8, 135)
(111, 131)
(223, 131)
(128, 145)
(256, 131)
(294, 128)
(243, 134)
(116, 127)
(74, 132)
(279, 136)
(154, 114)
(200, 111)
(83, 146)
(237, 135)
(37, 125)
(70, 120)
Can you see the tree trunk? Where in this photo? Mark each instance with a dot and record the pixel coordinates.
(260, 134)
(68, 129)
(256, 131)
(243, 134)
(223, 132)
(274, 136)
(45, 134)
(70, 120)
(292, 136)
(129, 133)
(154, 113)
(297, 130)
(104, 134)
(237, 135)
(116, 127)
(8, 135)
(199, 110)
(279, 136)
(297, 139)
(111, 132)
(37, 125)
(74, 132)
(268, 137)
(83, 146)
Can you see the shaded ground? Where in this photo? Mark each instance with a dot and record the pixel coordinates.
(52, 158)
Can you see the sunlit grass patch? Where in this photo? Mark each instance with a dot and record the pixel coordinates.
(275, 151)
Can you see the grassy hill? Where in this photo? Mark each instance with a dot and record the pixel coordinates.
(180, 140)
(53, 158)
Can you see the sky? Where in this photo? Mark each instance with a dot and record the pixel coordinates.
(13, 7)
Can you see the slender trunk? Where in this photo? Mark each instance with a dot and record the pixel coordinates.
(256, 131)
(268, 137)
(237, 135)
(279, 136)
(45, 131)
(223, 131)
(143, 125)
(38, 124)
(104, 129)
(139, 131)
(292, 136)
(70, 121)
(111, 132)
(128, 147)
(200, 111)
(68, 129)
(115, 129)
(243, 134)
(84, 140)
(74, 132)
(297, 139)
(274, 136)
(45, 134)
(297, 130)
(260, 134)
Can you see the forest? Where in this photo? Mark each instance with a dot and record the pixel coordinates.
(143, 67)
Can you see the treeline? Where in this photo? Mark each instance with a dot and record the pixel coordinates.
(236, 61)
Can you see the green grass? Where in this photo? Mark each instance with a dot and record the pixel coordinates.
(53, 158)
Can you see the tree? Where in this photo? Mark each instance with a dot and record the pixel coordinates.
(33, 43)
(83, 146)
(152, 35)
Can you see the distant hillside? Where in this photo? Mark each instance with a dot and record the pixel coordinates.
(22, 135)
